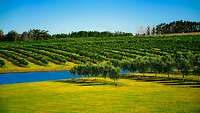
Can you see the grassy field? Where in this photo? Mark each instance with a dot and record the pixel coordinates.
(98, 96)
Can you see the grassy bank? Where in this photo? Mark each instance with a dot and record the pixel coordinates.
(98, 96)
(9, 67)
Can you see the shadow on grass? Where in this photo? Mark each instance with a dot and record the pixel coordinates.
(90, 82)
(166, 81)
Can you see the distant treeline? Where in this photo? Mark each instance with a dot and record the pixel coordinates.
(37, 34)
(173, 27)
(163, 28)
(92, 34)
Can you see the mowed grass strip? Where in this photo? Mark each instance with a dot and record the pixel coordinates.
(98, 95)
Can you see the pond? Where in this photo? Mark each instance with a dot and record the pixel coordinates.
(12, 78)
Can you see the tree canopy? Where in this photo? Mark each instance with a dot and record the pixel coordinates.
(173, 27)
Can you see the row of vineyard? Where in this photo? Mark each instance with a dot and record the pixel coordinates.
(144, 54)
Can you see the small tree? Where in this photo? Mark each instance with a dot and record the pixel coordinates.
(153, 31)
(97, 70)
(148, 32)
(156, 64)
(143, 63)
(12, 36)
(24, 36)
(196, 64)
(2, 63)
(130, 65)
(168, 63)
(114, 74)
(183, 63)
(1, 35)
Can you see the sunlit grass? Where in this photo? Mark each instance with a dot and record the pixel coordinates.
(9, 67)
(172, 75)
(68, 97)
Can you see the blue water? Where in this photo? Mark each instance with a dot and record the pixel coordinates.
(12, 78)
(123, 71)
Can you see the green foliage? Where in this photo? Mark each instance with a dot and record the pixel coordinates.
(33, 34)
(12, 36)
(96, 70)
(178, 27)
(196, 71)
(168, 64)
(196, 60)
(183, 62)
(32, 57)
(37, 34)
(13, 58)
(1, 35)
(2, 63)
(92, 34)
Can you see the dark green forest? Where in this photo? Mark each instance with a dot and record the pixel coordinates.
(177, 27)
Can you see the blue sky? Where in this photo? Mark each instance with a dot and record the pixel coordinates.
(58, 16)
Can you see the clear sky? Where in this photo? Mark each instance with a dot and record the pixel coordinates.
(58, 16)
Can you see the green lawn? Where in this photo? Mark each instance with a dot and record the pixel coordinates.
(98, 96)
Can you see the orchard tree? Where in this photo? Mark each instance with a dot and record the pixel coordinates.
(183, 63)
(153, 31)
(2, 63)
(168, 64)
(25, 36)
(178, 27)
(1, 35)
(37, 34)
(196, 64)
(143, 64)
(97, 70)
(131, 66)
(148, 32)
(114, 74)
(12, 36)
(156, 64)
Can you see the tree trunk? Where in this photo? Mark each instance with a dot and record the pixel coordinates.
(115, 82)
(183, 77)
